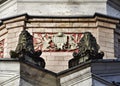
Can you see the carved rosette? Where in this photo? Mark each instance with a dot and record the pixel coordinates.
(56, 41)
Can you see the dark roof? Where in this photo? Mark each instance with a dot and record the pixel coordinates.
(115, 4)
(2, 1)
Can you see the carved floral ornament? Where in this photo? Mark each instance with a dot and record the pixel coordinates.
(56, 41)
(1, 48)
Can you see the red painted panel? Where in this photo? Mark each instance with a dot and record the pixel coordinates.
(55, 42)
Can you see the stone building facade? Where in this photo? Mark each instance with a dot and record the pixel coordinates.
(66, 20)
(44, 28)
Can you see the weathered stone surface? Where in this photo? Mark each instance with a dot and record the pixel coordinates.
(9, 72)
(13, 73)
(88, 49)
(25, 50)
(33, 76)
(59, 7)
(104, 35)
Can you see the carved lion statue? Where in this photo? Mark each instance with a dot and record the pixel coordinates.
(25, 50)
(88, 49)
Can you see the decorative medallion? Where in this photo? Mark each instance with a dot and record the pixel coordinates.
(1, 48)
(56, 41)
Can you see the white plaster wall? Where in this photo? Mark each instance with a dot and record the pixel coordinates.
(14, 82)
(8, 8)
(80, 78)
(54, 7)
(86, 82)
(60, 8)
(9, 73)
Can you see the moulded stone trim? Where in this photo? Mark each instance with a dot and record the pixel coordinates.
(107, 20)
(2, 27)
(17, 19)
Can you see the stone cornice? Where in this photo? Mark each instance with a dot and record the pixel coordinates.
(59, 17)
(62, 1)
(56, 1)
(73, 69)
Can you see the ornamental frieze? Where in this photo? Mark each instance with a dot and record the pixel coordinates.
(1, 48)
(56, 41)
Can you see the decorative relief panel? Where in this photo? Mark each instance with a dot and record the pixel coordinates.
(56, 41)
(1, 48)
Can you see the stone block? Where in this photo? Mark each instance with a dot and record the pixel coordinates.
(63, 63)
(49, 30)
(63, 25)
(71, 30)
(41, 20)
(110, 55)
(15, 30)
(48, 24)
(108, 40)
(64, 29)
(33, 24)
(107, 19)
(81, 24)
(15, 24)
(2, 27)
(38, 30)
(102, 43)
(3, 37)
(74, 75)
(11, 35)
(12, 45)
(109, 36)
(15, 19)
(105, 30)
(17, 34)
(52, 63)
(92, 24)
(50, 58)
(102, 34)
(68, 58)
(46, 53)
(107, 49)
(12, 40)
(58, 58)
(110, 45)
(102, 39)
(104, 24)
(39, 77)
(3, 31)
